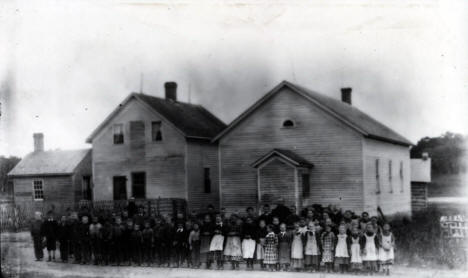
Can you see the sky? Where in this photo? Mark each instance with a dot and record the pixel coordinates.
(65, 65)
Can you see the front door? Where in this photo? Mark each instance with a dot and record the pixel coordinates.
(120, 188)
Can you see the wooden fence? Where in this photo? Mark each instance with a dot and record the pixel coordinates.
(16, 217)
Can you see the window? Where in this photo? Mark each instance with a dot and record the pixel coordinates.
(288, 123)
(401, 177)
(207, 180)
(118, 134)
(139, 185)
(87, 192)
(156, 133)
(120, 187)
(38, 190)
(377, 175)
(305, 185)
(390, 174)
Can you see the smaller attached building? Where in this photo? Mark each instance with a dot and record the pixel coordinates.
(420, 178)
(57, 179)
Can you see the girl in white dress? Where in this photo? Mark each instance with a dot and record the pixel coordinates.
(386, 253)
(341, 249)
(355, 243)
(370, 246)
(297, 248)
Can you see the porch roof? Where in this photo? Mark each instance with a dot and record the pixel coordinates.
(287, 155)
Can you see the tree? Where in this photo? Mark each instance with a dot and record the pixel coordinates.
(448, 152)
(6, 164)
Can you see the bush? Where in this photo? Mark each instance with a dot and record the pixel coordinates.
(419, 241)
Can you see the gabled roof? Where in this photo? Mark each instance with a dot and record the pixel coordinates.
(350, 115)
(192, 120)
(46, 163)
(287, 155)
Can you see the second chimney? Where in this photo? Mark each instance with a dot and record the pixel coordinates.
(346, 95)
(171, 91)
(38, 142)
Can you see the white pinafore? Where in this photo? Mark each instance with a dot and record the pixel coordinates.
(370, 249)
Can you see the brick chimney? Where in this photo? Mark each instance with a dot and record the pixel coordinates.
(171, 90)
(38, 142)
(346, 95)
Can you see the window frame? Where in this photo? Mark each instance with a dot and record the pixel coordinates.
(377, 175)
(114, 134)
(207, 180)
(132, 185)
(153, 136)
(390, 175)
(84, 189)
(402, 189)
(34, 189)
(305, 192)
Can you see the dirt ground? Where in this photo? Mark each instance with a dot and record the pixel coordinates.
(18, 260)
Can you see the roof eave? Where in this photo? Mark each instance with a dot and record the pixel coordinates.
(39, 175)
(389, 140)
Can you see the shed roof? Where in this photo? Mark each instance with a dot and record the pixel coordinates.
(192, 120)
(346, 113)
(55, 162)
(291, 157)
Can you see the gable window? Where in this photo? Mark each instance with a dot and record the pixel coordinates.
(401, 176)
(288, 123)
(118, 134)
(156, 133)
(305, 185)
(390, 176)
(207, 180)
(38, 190)
(377, 175)
(139, 185)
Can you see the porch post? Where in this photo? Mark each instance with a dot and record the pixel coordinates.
(296, 189)
(259, 194)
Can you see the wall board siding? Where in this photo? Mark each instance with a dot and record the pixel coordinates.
(333, 148)
(84, 168)
(163, 161)
(199, 156)
(395, 193)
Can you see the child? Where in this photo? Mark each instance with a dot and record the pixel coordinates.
(194, 245)
(312, 248)
(261, 234)
(95, 235)
(50, 233)
(83, 234)
(180, 243)
(297, 248)
(216, 244)
(126, 241)
(106, 234)
(117, 241)
(276, 224)
(355, 246)
(63, 235)
(37, 235)
(206, 232)
(248, 243)
(136, 241)
(232, 250)
(369, 245)
(148, 237)
(387, 243)
(328, 245)
(341, 250)
(284, 248)
(271, 249)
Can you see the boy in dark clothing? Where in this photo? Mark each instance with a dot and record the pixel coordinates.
(118, 230)
(63, 236)
(148, 241)
(37, 236)
(136, 240)
(194, 245)
(106, 234)
(95, 236)
(166, 233)
(75, 247)
(126, 246)
(180, 243)
(50, 233)
(83, 235)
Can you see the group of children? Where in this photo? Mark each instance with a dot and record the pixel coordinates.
(279, 240)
